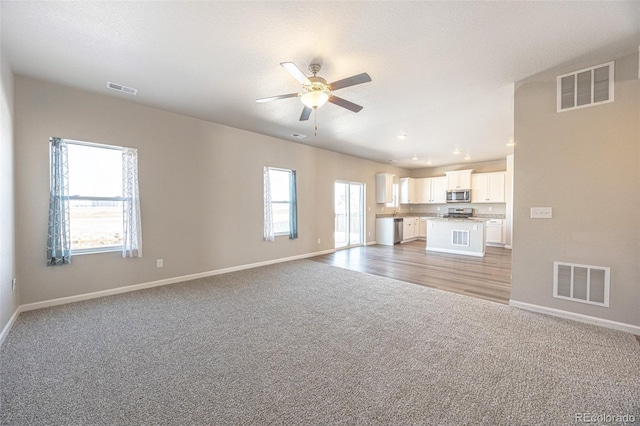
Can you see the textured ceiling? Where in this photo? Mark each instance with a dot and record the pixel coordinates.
(443, 72)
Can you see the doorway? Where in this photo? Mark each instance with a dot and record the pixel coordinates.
(349, 214)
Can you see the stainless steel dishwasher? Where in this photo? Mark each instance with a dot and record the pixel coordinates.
(398, 224)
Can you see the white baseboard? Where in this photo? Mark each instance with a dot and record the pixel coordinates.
(629, 328)
(135, 287)
(9, 324)
(453, 251)
(371, 243)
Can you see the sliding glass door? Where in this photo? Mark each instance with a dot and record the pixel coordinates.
(349, 214)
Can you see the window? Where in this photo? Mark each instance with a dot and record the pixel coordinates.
(586, 87)
(280, 199)
(94, 200)
(95, 197)
(280, 204)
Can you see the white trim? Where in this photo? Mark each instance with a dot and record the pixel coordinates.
(467, 253)
(370, 243)
(629, 328)
(135, 287)
(9, 324)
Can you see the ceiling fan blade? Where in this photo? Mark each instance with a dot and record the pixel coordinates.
(350, 81)
(344, 103)
(275, 98)
(306, 112)
(295, 72)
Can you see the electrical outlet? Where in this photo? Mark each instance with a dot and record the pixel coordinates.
(319, 240)
(159, 263)
(369, 233)
(14, 282)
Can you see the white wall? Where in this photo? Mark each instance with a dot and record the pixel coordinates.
(9, 299)
(200, 183)
(585, 164)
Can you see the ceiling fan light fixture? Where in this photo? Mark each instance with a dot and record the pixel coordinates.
(314, 99)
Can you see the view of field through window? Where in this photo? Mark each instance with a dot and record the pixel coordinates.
(280, 200)
(95, 190)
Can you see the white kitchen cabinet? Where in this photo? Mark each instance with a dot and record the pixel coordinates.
(408, 231)
(384, 188)
(408, 191)
(488, 187)
(432, 190)
(495, 231)
(422, 228)
(460, 179)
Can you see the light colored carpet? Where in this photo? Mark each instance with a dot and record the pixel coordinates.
(307, 343)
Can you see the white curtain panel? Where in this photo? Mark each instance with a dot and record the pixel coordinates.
(132, 236)
(268, 211)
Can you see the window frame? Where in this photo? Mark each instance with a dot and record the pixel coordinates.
(287, 202)
(91, 250)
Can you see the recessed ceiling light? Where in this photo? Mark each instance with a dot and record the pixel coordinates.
(456, 151)
(415, 157)
(429, 162)
(402, 136)
(468, 157)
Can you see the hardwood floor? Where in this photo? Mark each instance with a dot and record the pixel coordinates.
(486, 277)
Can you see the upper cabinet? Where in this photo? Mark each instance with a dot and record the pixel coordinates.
(384, 188)
(408, 191)
(487, 187)
(432, 190)
(460, 179)
(423, 190)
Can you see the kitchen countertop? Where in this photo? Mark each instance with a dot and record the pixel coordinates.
(460, 219)
(435, 216)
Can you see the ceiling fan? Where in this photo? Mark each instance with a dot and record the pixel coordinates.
(316, 91)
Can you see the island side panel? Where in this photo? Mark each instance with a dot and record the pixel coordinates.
(440, 231)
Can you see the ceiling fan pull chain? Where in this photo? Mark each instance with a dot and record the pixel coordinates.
(315, 121)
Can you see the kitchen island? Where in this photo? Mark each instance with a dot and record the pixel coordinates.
(457, 236)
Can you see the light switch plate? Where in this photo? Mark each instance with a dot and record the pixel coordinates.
(540, 212)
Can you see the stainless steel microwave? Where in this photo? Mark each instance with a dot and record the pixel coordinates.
(459, 196)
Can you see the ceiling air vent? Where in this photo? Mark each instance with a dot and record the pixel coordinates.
(298, 136)
(121, 88)
(586, 87)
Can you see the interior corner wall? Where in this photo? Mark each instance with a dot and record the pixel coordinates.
(201, 191)
(9, 299)
(585, 164)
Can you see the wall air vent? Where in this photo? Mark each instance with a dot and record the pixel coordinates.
(581, 283)
(586, 87)
(121, 88)
(459, 238)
